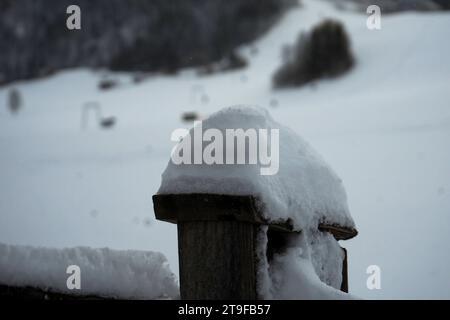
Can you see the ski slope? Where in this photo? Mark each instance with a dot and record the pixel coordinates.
(384, 128)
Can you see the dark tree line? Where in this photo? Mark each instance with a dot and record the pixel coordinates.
(141, 35)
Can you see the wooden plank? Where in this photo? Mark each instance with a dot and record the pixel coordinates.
(344, 284)
(215, 207)
(205, 207)
(339, 233)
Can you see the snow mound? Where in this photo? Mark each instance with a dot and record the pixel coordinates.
(295, 278)
(104, 272)
(304, 189)
(309, 268)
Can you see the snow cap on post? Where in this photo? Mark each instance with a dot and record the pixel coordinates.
(303, 190)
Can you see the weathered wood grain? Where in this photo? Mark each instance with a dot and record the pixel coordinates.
(217, 260)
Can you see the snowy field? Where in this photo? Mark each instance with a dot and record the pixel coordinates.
(384, 128)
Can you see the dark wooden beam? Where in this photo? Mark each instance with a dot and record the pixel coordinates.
(216, 207)
(32, 293)
(344, 285)
(339, 233)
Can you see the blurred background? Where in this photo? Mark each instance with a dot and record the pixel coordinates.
(86, 117)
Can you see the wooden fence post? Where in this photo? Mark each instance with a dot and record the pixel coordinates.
(217, 242)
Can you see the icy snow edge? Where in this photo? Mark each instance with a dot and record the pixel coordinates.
(305, 189)
(104, 272)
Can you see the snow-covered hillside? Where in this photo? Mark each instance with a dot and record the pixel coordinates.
(384, 128)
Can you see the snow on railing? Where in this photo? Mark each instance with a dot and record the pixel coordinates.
(85, 272)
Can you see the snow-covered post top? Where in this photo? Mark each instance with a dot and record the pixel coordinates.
(304, 189)
(232, 177)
